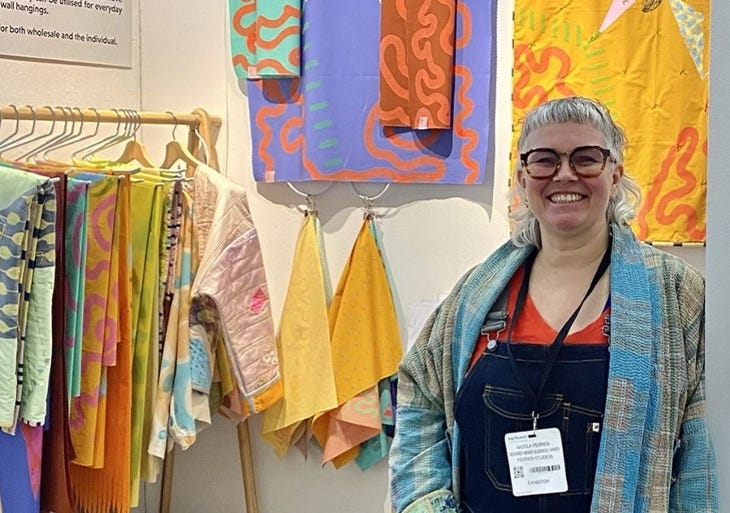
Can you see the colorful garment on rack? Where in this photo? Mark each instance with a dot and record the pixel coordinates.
(88, 411)
(183, 427)
(146, 226)
(38, 342)
(325, 125)
(177, 339)
(265, 37)
(173, 217)
(27, 240)
(56, 492)
(231, 275)
(75, 242)
(27, 260)
(606, 50)
(416, 63)
(366, 348)
(303, 346)
(107, 488)
(223, 396)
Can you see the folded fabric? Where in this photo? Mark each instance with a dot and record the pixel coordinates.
(303, 345)
(265, 37)
(366, 348)
(417, 63)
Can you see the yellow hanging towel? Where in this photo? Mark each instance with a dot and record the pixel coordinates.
(303, 345)
(366, 348)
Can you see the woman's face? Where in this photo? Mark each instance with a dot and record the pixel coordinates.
(567, 204)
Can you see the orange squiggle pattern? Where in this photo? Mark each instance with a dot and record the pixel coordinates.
(416, 65)
(395, 154)
(469, 135)
(292, 140)
(401, 170)
(277, 54)
(676, 163)
(527, 91)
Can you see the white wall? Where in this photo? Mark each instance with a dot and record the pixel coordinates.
(182, 63)
(718, 246)
(56, 84)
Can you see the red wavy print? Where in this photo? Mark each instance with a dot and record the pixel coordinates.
(466, 26)
(675, 162)
(394, 76)
(533, 71)
(288, 12)
(294, 57)
(273, 90)
(236, 22)
(469, 135)
(240, 60)
(416, 62)
(250, 32)
(268, 44)
(271, 63)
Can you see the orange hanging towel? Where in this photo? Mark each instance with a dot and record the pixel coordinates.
(366, 348)
(417, 63)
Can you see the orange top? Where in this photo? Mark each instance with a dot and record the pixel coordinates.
(533, 329)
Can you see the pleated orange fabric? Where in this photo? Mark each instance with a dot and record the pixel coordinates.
(101, 490)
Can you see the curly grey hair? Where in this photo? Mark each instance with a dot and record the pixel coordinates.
(575, 109)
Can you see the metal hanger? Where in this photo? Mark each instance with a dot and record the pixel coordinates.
(368, 200)
(309, 207)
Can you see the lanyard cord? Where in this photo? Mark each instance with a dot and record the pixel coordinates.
(559, 339)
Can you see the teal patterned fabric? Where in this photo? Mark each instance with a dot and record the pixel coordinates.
(77, 197)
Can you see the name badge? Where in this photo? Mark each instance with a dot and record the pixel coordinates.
(536, 462)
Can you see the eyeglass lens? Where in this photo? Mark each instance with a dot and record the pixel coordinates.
(587, 162)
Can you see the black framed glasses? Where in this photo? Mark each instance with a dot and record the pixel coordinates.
(585, 161)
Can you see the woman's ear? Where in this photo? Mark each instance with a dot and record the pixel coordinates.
(520, 176)
(618, 172)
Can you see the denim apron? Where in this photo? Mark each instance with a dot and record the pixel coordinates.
(493, 401)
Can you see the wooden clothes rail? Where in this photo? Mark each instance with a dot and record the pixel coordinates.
(200, 125)
(47, 113)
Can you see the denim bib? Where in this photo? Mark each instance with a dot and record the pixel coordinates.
(491, 403)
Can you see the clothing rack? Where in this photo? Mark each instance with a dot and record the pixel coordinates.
(200, 126)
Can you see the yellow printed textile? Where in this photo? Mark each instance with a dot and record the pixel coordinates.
(366, 348)
(147, 198)
(87, 414)
(303, 346)
(648, 63)
(107, 488)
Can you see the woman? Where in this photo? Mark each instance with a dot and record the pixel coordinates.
(566, 372)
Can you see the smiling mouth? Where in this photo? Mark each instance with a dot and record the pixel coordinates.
(563, 198)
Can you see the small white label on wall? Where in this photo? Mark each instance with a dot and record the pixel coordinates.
(85, 31)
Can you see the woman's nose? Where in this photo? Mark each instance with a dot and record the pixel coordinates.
(565, 171)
